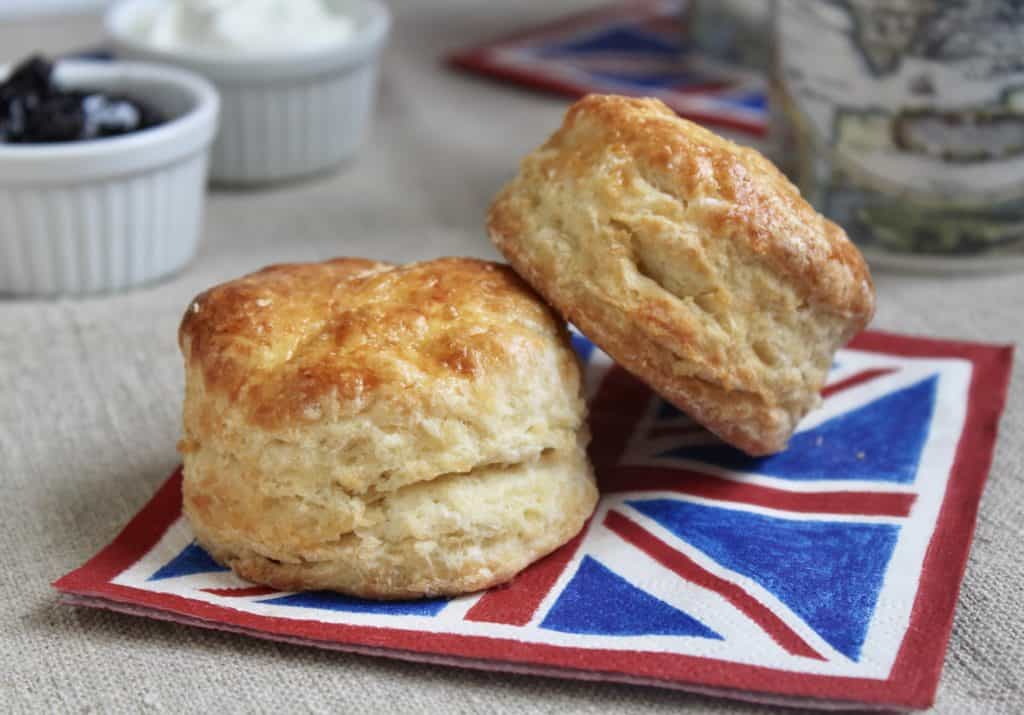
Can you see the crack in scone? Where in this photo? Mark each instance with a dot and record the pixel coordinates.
(472, 529)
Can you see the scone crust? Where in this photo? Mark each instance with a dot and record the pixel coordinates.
(691, 260)
(349, 424)
(282, 341)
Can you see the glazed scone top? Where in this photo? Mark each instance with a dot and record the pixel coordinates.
(740, 195)
(292, 341)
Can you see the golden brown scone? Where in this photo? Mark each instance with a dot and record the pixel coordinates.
(384, 431)
(690, 260)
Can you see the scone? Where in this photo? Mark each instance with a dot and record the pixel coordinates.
(382, 431)
(690, 260)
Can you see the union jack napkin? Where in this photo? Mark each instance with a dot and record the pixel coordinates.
(824, 576)
(632, 48)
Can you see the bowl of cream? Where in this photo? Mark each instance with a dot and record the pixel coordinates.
(297, 78)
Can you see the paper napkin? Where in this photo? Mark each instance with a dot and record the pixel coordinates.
(824, 576)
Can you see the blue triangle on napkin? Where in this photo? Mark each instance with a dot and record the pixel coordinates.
(192, 559)
(583, 347)
(330, 601)
(663, 79)
(599, 601)
(828, 573)
(881, 441)
(748, 100)
(617, 39)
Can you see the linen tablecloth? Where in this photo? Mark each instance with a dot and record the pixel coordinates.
(91, 396)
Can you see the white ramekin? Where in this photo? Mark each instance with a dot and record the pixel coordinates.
(283, 115)
(102, 215)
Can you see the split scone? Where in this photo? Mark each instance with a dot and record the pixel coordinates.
(383, 431)
(690, 260)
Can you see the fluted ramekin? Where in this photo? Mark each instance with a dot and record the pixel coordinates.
(283, 115)
(106, 214)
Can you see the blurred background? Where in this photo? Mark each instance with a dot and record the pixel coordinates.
(51, 25)
(25, 8)
(902, 121)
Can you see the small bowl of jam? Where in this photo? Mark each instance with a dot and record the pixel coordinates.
(103, 168)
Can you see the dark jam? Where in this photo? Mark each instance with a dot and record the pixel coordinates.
(36, 110)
